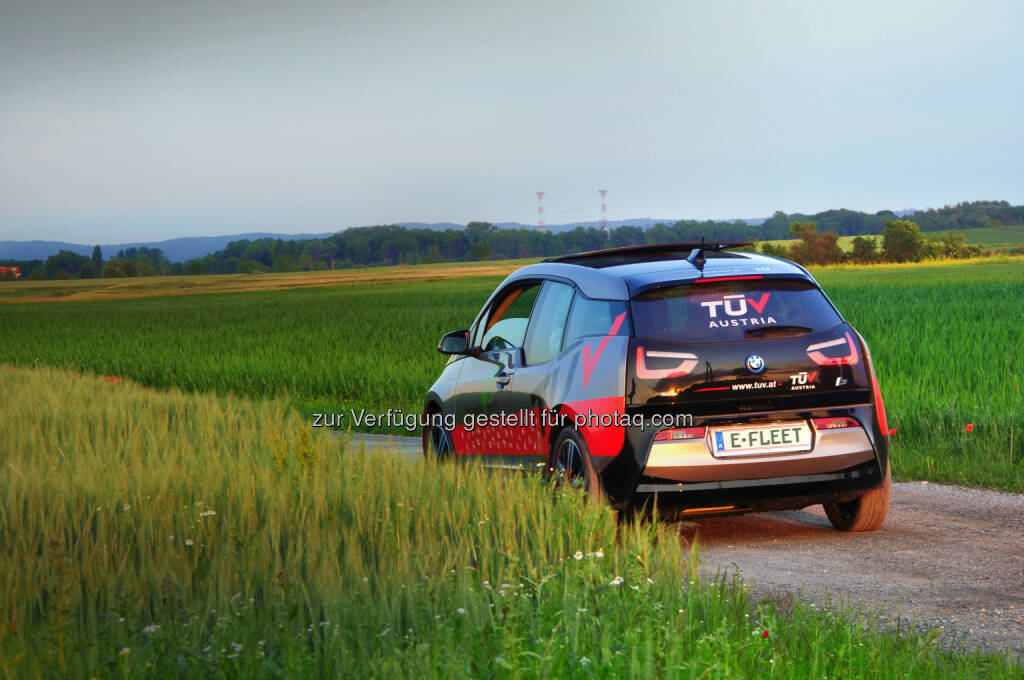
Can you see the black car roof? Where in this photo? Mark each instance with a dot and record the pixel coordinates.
(622, 273)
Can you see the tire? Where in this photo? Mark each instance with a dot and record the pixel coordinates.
(864, 513)
(570, 464)
(438, 444)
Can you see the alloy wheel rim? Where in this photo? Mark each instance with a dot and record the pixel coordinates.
(439, 441)
(569, 462)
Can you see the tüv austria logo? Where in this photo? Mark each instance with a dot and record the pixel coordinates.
(755, 363)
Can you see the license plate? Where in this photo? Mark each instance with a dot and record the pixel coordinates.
(749, 440)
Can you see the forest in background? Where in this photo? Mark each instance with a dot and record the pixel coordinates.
(901, 240)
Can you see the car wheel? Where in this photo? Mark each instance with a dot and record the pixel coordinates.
(864, 513)
(437, 444)
(570, 464)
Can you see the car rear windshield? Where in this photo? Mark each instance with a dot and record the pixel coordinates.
(732, 310)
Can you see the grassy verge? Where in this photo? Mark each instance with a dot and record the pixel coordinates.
(162, 534)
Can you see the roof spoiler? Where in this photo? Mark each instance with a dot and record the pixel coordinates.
(696, 249)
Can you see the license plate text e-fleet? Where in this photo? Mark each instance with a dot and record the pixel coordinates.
(789, 437)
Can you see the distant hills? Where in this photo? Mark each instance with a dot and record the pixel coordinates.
(966, 215)
(193, 247)
(175, 249)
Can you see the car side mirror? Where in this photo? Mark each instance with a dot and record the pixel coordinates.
(456, 342)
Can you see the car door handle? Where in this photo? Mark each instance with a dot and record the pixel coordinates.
(503, 380)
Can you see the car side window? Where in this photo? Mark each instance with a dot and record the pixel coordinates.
(504, 326)
(595, 318)
(547, 323)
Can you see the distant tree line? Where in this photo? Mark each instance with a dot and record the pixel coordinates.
(901, 241)
(967, 215)
(128, 262)
(390, 244)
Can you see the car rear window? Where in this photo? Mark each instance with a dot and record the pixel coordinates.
(715, 312)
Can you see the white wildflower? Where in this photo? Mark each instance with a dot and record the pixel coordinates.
(617, 581)
(578, 555)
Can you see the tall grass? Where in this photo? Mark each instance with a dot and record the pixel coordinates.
(945, 339)
(169, 535)
(946, 343)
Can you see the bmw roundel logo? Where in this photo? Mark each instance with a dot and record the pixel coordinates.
(755, 363)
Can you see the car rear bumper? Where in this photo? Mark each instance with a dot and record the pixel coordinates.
(685, 475)
(692, 461)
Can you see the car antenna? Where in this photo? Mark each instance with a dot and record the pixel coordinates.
(696, 257)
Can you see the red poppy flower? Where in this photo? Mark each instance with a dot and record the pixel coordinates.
(969, 427)
(893, 431)
(764, 635)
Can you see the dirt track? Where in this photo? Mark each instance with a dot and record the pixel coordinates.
(949, 558)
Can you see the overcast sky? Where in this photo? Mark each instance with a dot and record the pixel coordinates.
(144, 120)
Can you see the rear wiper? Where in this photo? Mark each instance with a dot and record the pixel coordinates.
(777, 330)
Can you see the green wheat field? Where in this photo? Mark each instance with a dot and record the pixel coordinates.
(946, 340)
(166, 510)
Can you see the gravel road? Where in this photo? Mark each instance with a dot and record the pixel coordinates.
(947, 557)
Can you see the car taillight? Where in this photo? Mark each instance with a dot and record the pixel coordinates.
(834, 423)
(883, 422)
(681, 433)
(686, 363)
(876, 393)
(844, 344)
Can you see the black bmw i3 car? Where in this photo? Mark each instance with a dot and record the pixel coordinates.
(719, 382)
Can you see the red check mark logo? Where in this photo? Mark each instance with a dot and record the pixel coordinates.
(590, 361)
(759, 305)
